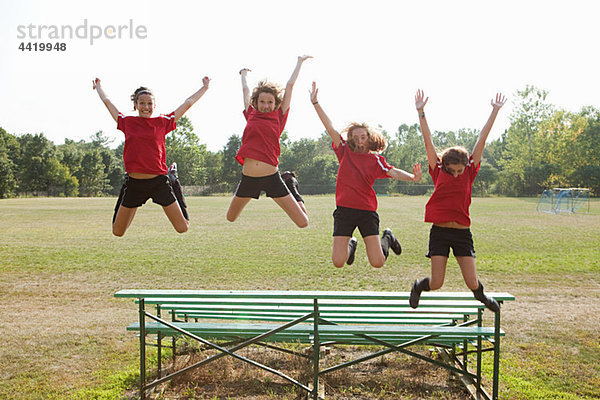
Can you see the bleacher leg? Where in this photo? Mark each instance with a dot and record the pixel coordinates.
(142, 313)
(316, 350)
(479, 349)
(496, 355)
(159, 344)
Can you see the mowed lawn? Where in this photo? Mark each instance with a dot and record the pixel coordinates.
(63, 334)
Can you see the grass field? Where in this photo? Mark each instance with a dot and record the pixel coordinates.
(63, 334)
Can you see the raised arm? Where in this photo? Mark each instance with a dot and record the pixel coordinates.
(497, 104)
(245, 89)
(335, 135)
(432, 156)
(289, 87)
(192, 99)
(402, 175)
(114, 113)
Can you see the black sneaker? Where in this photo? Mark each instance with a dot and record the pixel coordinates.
(351, 250)
(492, 304)
(489, 302)
(415, 295)
(394, 243)
(172, 174)
(289, 178)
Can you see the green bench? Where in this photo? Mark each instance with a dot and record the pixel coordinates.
(231, 320)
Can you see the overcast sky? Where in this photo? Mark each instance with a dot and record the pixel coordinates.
(370, 57)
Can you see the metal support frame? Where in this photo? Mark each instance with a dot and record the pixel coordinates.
(479, 390)
(451, 356)
(222, 351)
(400, 348)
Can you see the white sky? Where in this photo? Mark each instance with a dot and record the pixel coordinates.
(369, 59)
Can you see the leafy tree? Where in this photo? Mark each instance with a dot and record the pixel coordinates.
(70, 154)
(213, 167)
(324, 144)
(587, 176)
(523, 141)
(60, 180)
(183, 147)
(230, 169)
(297, 155)
(587, 172)
(590, 137)
(492, 154)
(91, 175)
(113, 170)
(319, 175)
(36, 151)
(486, 177)
(9, 150)
(100, 141)
(9, 144)
(405, 148)
(8, 183)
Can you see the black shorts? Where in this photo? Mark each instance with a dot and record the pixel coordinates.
(345, 220)
(137, 191)
(442, 239)
(272, 185)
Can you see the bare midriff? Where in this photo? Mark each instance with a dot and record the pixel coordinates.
(139, 175)
(257, 168)
(451, 224)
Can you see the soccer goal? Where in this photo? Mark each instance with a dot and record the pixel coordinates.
(564, 200)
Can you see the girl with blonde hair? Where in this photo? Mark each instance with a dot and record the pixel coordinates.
(355, 198)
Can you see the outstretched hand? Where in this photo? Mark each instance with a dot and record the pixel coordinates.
(313, 93)
(96, 83)
(303, 58)
(417, 172)
(499, 101)
(419, 102)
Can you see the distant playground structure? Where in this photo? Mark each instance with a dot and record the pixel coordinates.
(564, 200)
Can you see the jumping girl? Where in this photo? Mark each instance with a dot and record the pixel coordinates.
(355, 198)
(145, 160)
(266, 112)
(453, 173)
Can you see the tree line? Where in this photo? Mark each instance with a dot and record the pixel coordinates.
(544, 147)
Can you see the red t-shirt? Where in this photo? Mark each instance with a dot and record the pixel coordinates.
(451, 197)
(144, 150)
(261, 136)
(356, 176)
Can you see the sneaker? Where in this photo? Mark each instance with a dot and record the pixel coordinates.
(289, 178)
(172, 174)
(394, 243)
(351, 250)
(492, 304)
(415, 295)
(489, 302)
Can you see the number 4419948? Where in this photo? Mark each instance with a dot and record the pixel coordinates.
(42, 46)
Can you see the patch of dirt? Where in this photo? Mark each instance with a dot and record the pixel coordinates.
(393, 376)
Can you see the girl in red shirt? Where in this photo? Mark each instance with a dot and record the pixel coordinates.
(145, 160)
(453, 173)
(266, 112)
(355, 198)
